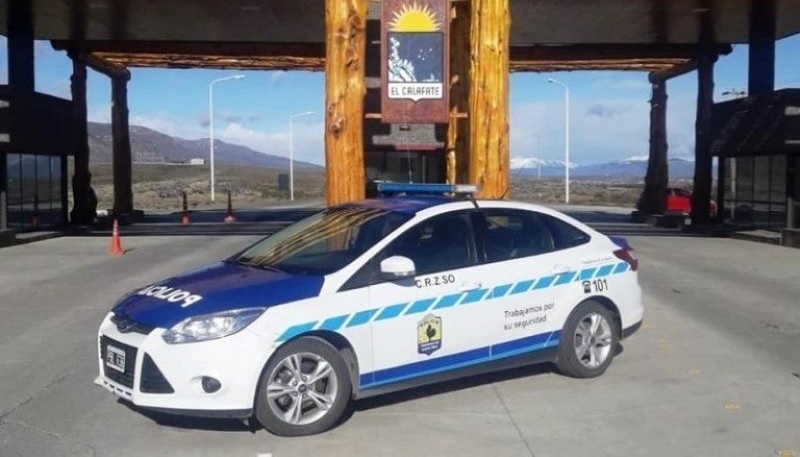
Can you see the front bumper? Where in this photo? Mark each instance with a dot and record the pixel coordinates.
(168, 377)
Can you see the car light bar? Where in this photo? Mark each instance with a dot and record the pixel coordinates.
(394, 188)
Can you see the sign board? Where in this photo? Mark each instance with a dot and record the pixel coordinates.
(415, 61)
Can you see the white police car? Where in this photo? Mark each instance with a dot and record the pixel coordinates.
(370, 297)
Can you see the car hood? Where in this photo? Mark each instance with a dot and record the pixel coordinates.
(222, 286)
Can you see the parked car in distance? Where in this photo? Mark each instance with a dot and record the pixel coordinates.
(677, 202)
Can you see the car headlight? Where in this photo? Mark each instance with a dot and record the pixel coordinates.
(211, 326)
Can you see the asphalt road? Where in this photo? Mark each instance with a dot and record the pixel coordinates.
(715, 369)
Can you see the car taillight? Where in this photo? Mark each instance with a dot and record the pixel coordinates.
(628, 256)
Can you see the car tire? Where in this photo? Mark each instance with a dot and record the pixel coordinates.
(290, 402)
(588, 341)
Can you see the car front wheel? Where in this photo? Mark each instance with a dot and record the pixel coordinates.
(588, 341)
(304, 389)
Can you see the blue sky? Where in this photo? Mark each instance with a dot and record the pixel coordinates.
(609, 110)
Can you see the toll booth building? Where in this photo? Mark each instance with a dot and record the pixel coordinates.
(758, 144)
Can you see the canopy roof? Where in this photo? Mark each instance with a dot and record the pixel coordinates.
(609, 34)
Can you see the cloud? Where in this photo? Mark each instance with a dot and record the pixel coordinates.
(602, 110)
(307, 138)
(100, 113)
(600, 130)
(276, 77)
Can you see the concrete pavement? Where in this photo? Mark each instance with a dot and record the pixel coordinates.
(714, 370)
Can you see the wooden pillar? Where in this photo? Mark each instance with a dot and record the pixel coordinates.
(702, 162)
(488, 97)
(19, 23)
(657, 177)
(761, 65)
(345, 25)
(458, 129)
(123, 185)
(84, 205)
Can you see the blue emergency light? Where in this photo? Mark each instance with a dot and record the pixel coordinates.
(400, 188)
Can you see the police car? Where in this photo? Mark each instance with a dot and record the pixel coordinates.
(370, 297)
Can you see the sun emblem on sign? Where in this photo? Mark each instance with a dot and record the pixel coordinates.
(414, 18)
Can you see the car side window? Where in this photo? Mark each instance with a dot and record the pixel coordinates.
(564, 234)
(511, 234)
(440, 243)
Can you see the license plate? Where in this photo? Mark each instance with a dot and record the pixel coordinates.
(115, 358)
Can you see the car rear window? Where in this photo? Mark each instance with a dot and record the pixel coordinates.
(564, 235)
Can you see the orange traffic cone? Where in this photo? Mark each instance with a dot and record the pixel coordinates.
(185, 216)
(115, 247)
(229, 217)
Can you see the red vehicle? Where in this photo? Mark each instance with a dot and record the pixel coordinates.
(679, 201)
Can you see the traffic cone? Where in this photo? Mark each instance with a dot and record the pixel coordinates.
(115, 247)
(185, 216)
(229, 217)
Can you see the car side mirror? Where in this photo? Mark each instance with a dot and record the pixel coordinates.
(397, 267)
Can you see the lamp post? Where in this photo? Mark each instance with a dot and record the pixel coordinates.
(291, 151)
(211, 123)
(566, 136)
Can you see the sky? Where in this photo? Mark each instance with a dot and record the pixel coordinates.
(609, 111)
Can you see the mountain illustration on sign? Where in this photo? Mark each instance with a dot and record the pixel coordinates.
(415, 45)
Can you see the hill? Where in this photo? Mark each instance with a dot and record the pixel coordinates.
(150, 146)
(619, 169)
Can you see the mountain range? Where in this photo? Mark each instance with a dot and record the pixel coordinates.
(633, 168)
(150, 146)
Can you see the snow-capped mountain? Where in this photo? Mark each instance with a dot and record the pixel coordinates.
(630, 168)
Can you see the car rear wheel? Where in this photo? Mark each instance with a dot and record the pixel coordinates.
(304, 389)
(588, 341)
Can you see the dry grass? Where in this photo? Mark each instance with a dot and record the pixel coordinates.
(158, 188)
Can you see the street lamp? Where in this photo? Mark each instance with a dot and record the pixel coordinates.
(211, 123)
(291, 151)
(566, 136)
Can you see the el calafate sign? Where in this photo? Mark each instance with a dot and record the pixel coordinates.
(415, 61)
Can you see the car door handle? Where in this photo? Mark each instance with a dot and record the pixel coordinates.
(469, 286)
(561, 270)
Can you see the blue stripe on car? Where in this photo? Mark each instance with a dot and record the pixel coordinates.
(333, 323)
(391, 311)
(361, 317)
(500, 291)
(522, 287)
(605, 270)
(545, 282)
(448, 301)
(420, 306)
(337, 323)
(459, 360)
(474, 296)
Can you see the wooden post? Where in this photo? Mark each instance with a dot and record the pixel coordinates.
(123, 186)
(761, 65)
(702, 162)
(458, 129)
(19, 22)
(655, 181)
(488, 97)
(83, 210)
(345, 25)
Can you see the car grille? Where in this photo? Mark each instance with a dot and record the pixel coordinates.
(153, 381)
(125, 324)
(123, 378)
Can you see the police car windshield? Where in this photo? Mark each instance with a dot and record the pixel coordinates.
(324, 242)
